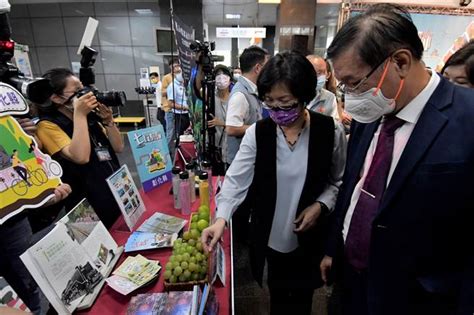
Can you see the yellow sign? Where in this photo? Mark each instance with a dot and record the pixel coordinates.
(28, 177)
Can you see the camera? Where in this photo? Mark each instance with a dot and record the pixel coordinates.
(206, 59)
(36, 90)
(87, 77)
(108, 98)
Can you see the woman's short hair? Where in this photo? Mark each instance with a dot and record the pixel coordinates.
(291, 69)
(58, 79)
(464, 56)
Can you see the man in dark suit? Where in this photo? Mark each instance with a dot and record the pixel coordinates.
(402, 238)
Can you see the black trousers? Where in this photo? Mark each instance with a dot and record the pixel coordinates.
(290, 290)
(416, 300)
(160, 115)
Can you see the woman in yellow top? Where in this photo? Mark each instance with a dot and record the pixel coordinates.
(80, 134)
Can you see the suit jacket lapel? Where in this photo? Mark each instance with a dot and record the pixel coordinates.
(429, 125)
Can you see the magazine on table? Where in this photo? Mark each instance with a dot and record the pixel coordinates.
(147, 304)
(162, 223)
(62, 268)
(172, 303)
(144, 240)
(85, 227)
(71, 262)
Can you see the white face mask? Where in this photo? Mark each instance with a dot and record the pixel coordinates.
(222, 81)
(369, 106)
(321, 82)
(236, 76)
(179, 77)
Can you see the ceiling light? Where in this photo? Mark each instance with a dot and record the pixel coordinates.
(231, 16)
(270, 1)
(144, 11)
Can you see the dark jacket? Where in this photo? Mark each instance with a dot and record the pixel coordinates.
(422, 233)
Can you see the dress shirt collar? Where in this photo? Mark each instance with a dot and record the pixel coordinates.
(412, 111)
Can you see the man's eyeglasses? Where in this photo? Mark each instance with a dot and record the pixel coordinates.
(347, 89)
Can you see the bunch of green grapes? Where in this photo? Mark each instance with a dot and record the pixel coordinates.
(189, 260)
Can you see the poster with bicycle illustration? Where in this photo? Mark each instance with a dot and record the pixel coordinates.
(28, 177)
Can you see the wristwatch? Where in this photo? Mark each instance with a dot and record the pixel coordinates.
(324, 208)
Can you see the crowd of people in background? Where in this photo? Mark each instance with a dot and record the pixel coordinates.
(365, 213)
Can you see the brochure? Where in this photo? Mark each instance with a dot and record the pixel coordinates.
(208, 304)
(133, 273)
(127, 196)
(218, 265)
(162, 223)
(196, 299)
(144, 240)
(150, 151)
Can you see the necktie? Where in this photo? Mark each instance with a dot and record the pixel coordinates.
(358, 238)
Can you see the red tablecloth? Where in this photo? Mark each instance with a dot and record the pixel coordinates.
(158, 200)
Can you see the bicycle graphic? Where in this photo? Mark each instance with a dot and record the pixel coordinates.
(36, 177)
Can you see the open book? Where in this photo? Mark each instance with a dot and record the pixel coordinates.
(71, 262)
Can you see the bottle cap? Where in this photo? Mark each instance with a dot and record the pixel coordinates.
(206, 164)
(184, 175)
(203, 175)
(176, 170)
(190, 166)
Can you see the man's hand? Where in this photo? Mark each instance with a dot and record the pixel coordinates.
(346, 118)
(307, 219)
(85, 104)
(215, 122)
(27, 125)
(60, 193)
(214, 233)
(325, 268)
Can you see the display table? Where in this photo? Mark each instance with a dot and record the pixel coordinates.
(158, 200)
(129, 120)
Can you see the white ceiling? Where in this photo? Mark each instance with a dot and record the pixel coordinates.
(252, 13)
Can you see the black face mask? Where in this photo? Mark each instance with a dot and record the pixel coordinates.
(69, 99)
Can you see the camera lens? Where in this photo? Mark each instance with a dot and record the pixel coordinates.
(112, 98)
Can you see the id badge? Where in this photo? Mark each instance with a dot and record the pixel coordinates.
(103, 154)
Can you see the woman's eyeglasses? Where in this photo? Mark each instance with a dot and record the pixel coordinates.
(280, 106)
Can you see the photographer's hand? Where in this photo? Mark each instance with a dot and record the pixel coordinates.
(113, 133)
(105, 113)
(85, 104)
(79, 150)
